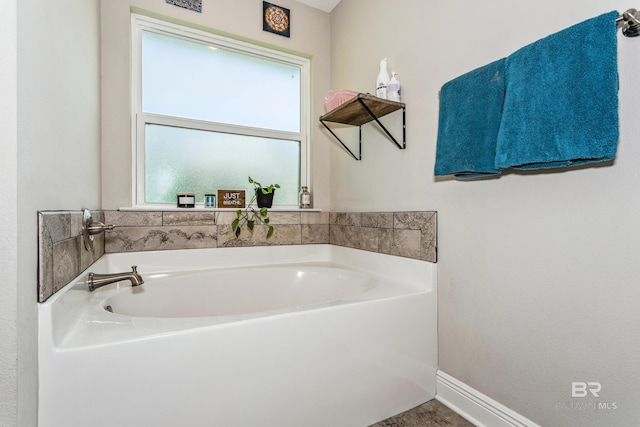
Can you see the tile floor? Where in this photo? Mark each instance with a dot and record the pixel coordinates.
(429, 414)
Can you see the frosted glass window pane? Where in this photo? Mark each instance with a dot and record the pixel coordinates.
(186, 160)
(192, 80)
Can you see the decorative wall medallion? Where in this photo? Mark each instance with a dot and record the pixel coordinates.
(276, 19)
(188, 4)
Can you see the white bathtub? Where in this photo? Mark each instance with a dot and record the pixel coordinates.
(316, 335)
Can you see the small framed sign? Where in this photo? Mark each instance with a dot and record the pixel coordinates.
(276, 19)
(231, 199)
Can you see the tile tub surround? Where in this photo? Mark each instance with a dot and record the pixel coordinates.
(152, 231)
(62, 256)
(405, 234)
(61, 252)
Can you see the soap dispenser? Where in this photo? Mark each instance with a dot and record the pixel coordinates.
(393, 89)
(383, 80)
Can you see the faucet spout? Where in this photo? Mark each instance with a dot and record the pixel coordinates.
(96, 281)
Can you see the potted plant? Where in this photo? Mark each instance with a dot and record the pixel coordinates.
(250, 216)
(264, 195)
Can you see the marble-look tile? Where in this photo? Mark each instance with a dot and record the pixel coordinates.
(66, 262)
(426, 222)
(429, 414)
(412, 220)
(314, 217)
(129, 239)
(377, 219)
(346, 218)
(284, 218)
(283, 234)
(315, 233)
(404, 243)
(61, 252)
(88, 257)
(429, 249)
(188, 218)
(366, 238)
(57, 225)
(133, 219)
(225, 217)
(45, 260)
(338, 235)
(76, 223)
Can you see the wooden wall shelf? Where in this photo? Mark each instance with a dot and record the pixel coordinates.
(360, 110)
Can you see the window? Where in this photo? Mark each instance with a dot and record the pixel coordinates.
(210, 111)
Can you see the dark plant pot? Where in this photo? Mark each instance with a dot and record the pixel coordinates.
(264, 200)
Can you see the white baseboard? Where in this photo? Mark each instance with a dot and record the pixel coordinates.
(476, 407)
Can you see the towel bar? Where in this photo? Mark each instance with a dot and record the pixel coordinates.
(629, 21)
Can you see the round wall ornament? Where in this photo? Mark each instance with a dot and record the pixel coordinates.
(276, 19)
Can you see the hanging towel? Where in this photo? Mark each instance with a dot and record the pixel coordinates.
(470, 111)
(561, 101)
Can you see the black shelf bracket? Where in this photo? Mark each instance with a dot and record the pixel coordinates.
(359, 156)
(404, 136)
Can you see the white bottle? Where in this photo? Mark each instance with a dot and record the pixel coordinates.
(382, 80)
(393, 89)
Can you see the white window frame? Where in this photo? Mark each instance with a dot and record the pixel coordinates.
(140, 23)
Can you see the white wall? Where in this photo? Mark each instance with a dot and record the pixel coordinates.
(49, 126)
(538, 272)
(8, 214)
(240, 19)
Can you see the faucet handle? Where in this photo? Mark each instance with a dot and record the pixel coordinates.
(91, 227)
(99, 227)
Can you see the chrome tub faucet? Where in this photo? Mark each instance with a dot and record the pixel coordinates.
(95, 281)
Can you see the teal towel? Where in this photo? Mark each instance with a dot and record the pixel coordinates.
(470, 112)
(561, 101)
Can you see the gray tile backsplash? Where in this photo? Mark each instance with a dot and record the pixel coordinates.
(62, 256)
(405, 234)
(61, 253)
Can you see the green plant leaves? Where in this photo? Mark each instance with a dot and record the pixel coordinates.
(250, 216)
(265, 190)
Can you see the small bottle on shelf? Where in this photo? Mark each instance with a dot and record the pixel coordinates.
(305, 198)
(393, 89)
(383, 80)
